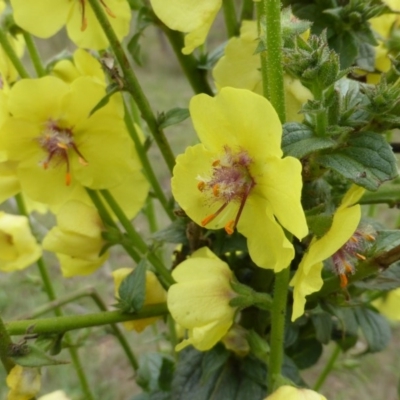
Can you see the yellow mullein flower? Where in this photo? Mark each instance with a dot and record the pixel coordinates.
(77, 239)
(19, 248)
(155, 293)
(43, 18)
(236, 177)
(383, 25)
(82, 64)
(189, 16)
(199, 301)
(240, 67)
(24, 383)
(389, 305)
(292, 393)
(58, 146)
(307, 278)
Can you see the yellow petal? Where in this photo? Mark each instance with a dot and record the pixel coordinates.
(225, 120)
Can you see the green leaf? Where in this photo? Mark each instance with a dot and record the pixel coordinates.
(240, 379)
(132, 291)
(319, 224)
(112, 89)
(213, 360)
(155, 372)
(174, 232)
(323, 325)
(305, 353)
(386, 240)
(35, 357)
(258, 345)
(291, 371)
(173, 117)
(298, 140)
(367, 160)
(375, 328)
(385, 281)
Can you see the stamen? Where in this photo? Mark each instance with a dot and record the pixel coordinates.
(84, 20)
(216, 163)
(108, 11)
(201, 186)
(208, 219)
(343, 280)
(230, 227)
(361, 257)
(215, 190)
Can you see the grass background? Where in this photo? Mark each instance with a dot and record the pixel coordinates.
(369, 377)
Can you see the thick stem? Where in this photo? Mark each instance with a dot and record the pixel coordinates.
(321, 117)
(5, 344)
(34, 54)
(133, 85)
(71, 322)
(12, 55)
(328, 368)
(263, 54)
(231, 22)
(197, 77)
(148, 169)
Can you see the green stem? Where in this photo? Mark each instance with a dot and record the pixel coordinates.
(57, 311)
(71, 322)
(278, 314)
(151, 176)
(150, 214)
(133, 86)
(34, 54)
(173, 338)
(321, 117)
(389, 195)
(12, 55)
(247, 10)
(231, 22)
(197, 77)
(5, 344)
(328, 368)
(87, 292)
(137, 239)
(263, 54)
(108, 221)
(273, 40)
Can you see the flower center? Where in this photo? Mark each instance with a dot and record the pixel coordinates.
(230, 181)
(84, 19)
(57, 142)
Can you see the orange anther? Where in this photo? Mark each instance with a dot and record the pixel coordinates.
(201, 185)
(370, 237)
(354, 239)
(216, 190)
(348, 267)
(62, 146)
(216, 163)
(68, 178)
(206, 220)
(360, 257)
(108, 11)
(82, 161)
(230, 227)
(343, 280)
(45, 165)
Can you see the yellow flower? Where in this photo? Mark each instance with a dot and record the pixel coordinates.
(190, 16)
(19, 248)
(237, 178)
(58, 146)
(82, 64)
(155, 293)
(307, 278)
(77, 239)
(24, 383)
(43, 18)
(240, 68)
(291, 393)
(389, 306)
(199, 301)
(383, 25)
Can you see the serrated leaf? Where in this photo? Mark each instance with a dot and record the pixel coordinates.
(290, 371)
(239, 379)
(386, 240)
(213, 360)
(112, 89)
(299, 140)
(132, 291)
(366, 57)
(375, 328)
(173, 233)
(367, 160)
(385, 281)
(36, 357)
(172, 117)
